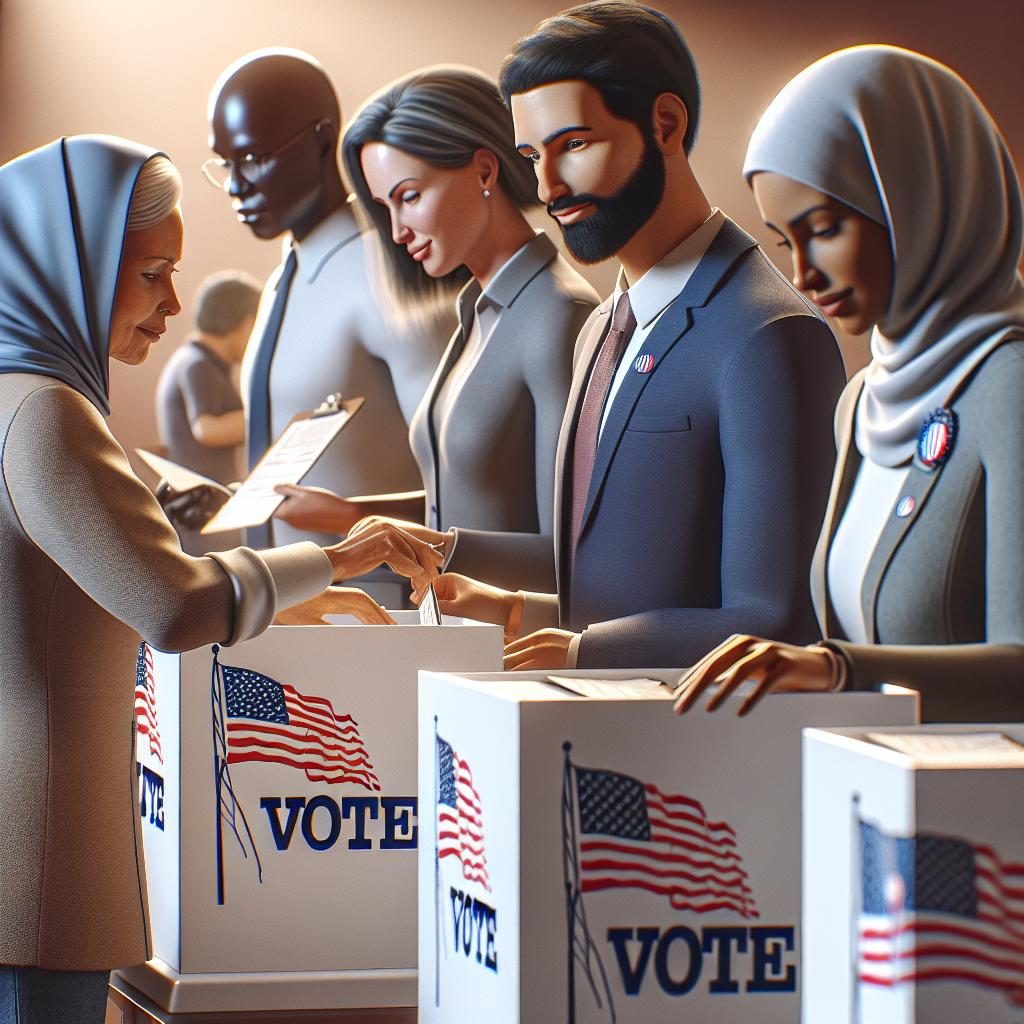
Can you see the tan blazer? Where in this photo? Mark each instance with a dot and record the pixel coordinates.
(90, 563)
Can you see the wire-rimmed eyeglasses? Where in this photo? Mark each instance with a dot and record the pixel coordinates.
(250, 167)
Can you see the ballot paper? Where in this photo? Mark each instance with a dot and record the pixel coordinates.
(954, 749)
(614, 689)
(181, 478)
(289, 459)
(430, 610)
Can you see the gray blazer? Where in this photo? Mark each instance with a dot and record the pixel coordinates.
(943, 596)
(489, 468)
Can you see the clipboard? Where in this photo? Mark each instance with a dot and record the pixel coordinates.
(307, 436)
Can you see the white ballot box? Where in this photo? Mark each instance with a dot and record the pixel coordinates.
(598, 859)
(277, 784)
(914, 875)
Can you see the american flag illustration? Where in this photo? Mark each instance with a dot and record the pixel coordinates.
(271, 721)
(460, 824)
(634, 836)
(145, 701)
(939, 908)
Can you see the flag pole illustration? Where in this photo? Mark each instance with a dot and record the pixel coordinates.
(576, 915)
(622, 833)
(222, 782)
(256, 718)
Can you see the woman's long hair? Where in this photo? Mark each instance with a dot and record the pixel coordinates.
(442, 115)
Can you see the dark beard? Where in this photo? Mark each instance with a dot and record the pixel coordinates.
(616, 218)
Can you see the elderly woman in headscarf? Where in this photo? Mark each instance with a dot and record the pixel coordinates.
(889, 182)
(90, 233)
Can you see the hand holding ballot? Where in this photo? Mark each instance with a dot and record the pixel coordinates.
(335, 601)
(404, 553)
(771, 666)
(471, 599)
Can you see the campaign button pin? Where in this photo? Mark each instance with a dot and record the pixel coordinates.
(905, 506)
(935, 441)
(644, 363)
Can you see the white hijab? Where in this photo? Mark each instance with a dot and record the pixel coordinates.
(902, 139)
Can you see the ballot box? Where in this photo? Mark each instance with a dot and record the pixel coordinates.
(279, 813)
(914, 875)
(597, 859)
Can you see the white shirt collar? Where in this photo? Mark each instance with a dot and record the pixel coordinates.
(666, 279)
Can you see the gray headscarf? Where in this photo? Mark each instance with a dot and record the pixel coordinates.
(902, 139)
(63, 212)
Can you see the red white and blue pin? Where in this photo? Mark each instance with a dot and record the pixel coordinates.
(935, 441)
(644, 363)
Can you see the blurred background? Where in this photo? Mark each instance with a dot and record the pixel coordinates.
(144, 70)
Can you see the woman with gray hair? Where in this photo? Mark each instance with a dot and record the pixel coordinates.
(433, 163)
(90, 233)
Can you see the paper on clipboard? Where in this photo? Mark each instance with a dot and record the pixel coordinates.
(287, 461)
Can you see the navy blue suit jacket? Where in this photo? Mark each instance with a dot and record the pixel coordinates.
(712, 471)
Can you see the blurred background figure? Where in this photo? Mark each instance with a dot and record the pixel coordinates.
(198, 405)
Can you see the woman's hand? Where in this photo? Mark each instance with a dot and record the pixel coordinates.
(317, 509)
(546, 648)
(438, 540)
(773, 667)
(471, 599)
(405, 554)
(335, 601)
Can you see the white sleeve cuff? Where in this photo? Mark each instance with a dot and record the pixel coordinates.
(267, 580)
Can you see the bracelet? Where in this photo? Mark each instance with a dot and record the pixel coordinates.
(837, 669)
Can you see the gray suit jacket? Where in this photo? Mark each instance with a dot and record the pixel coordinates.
(489, 468)
(943, 596)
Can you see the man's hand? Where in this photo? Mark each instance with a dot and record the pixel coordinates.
(404, 553)
(316, 509)
(547, 648)
(191, 509)
(335, 601)
(773, 667)
(471, 599)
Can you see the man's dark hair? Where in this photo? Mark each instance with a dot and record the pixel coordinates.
(629, 53)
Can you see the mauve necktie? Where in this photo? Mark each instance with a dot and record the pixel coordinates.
(588, 425)
(259, 390)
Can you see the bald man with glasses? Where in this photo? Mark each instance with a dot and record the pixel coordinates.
(274, 126)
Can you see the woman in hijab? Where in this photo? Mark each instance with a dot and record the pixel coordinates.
(888, 180)
(90, 232)
(433, 164)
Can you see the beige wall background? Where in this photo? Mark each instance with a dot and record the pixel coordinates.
(143, 70)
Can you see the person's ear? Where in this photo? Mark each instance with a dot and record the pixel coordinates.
(669, 119)
(487, 167)
(326, 134)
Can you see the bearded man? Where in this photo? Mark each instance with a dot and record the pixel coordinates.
(695, 455)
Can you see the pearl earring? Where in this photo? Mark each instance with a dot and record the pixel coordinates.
(487, 193)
